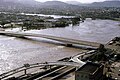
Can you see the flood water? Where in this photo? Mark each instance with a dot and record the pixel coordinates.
(100, 31)
(15, 52)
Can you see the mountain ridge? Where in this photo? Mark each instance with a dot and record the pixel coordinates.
(115, 3)
(108, 3)
(13, 4)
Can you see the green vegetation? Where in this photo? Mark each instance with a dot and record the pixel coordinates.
(3, 23)
(34, 22)
(113, 15)
(117, 19)
(75, 20)
(61, 24)
(39, 22)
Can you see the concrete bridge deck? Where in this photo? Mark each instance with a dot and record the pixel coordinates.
(61, 39)
(31, 66)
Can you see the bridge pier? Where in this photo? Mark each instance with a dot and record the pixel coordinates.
(68, 45)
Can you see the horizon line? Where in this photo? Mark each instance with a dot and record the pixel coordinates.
(71, 0)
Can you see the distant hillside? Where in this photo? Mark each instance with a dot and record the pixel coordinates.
(108, 3)
(32, 5)
(18, 5)
(115, 3)
(74, 2)
(55, 3)
(29, 2)
(58, 5)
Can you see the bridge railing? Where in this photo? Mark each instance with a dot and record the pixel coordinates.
(23, 69)
(26, 67)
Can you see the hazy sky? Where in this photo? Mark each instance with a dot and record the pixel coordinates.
(83, 1)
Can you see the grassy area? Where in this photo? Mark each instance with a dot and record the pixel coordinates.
(117, 19)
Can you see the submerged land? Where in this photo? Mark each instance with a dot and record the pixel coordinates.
(67, 24)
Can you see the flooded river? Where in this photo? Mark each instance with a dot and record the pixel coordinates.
(15, 52)
(100, 31)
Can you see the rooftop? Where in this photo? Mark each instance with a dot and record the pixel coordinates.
(89, 68)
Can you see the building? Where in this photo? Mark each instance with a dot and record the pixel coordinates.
(89, 71)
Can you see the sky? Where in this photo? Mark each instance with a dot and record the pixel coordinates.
(82, 1)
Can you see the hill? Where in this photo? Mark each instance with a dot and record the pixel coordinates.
(74, 2)
(51, 6)
(106, 4)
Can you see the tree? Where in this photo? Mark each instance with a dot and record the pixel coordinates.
(27, 24)
(3, 23)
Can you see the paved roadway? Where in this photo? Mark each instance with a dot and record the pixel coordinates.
(61, 39)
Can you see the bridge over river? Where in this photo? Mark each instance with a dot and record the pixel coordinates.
(67, 41)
